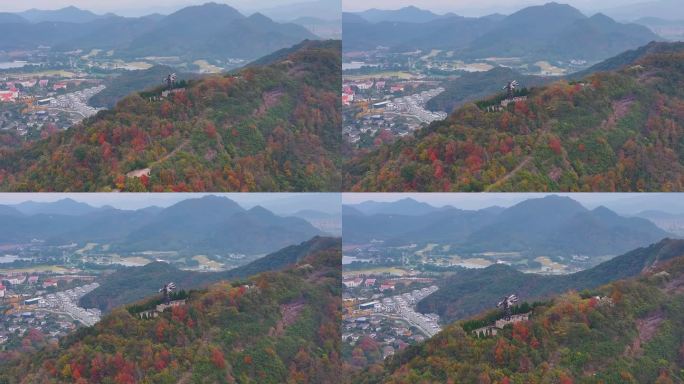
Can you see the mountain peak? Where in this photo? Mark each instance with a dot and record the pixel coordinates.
(259, 16)
(604, 210)
(260, 212)
(603, 18)
(549, 12)
(211, 11)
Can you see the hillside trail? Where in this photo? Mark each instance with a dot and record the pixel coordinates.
(170, 154)
(146, 171)
(542, 132)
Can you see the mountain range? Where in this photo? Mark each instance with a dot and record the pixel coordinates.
(613, 130)
(628, 331)
(274, 327)
(208, 31)
(328, 10)
(273, 126)
(208, 224)
(406, 206)
(551, 225)
(410, 14)
(69, 14)
(547, 32)
(664, 9)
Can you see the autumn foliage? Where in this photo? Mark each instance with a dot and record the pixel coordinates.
(613, 131)
(264, 129)
(232, 332)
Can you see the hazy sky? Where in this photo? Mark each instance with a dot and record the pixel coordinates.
(135, 7)
(278, 202)
(626, 203)
(478, 7)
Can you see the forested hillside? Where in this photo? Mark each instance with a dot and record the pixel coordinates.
(629, 331)
(612, 131)
(273, 127)
(469, 292)
(128, 82)
(134, 283)
(478, 85)
(277, 327)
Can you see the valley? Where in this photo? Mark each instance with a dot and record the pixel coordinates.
(410, 268)
(591, 132)
(634, 317)
(64, 263)
(394, 53)
(54, 69)
(271, 326)
(217, 133)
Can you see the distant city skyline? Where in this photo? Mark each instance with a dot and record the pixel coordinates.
(136, 7)
(625, 203)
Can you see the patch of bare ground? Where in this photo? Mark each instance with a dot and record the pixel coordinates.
(675, 286)
(289, 314)
(620, 110)
(269, 100)
(647, 328)
(147, 171)
(298, 71)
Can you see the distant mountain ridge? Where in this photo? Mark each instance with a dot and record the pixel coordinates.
(205, 31)
(664, 9)
(6, 17)
(551, 225)
(410, 14)
(208, 224)
(61, 207)
(328, 10)
(69, 14)
(406, 206)
(546, 32)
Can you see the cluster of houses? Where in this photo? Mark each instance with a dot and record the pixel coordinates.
(13, 87)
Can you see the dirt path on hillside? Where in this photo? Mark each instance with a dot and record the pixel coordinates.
(647, 328)
(290, 313)
(620, 110)
(146, 171)
(542, 132)
(269, 100)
